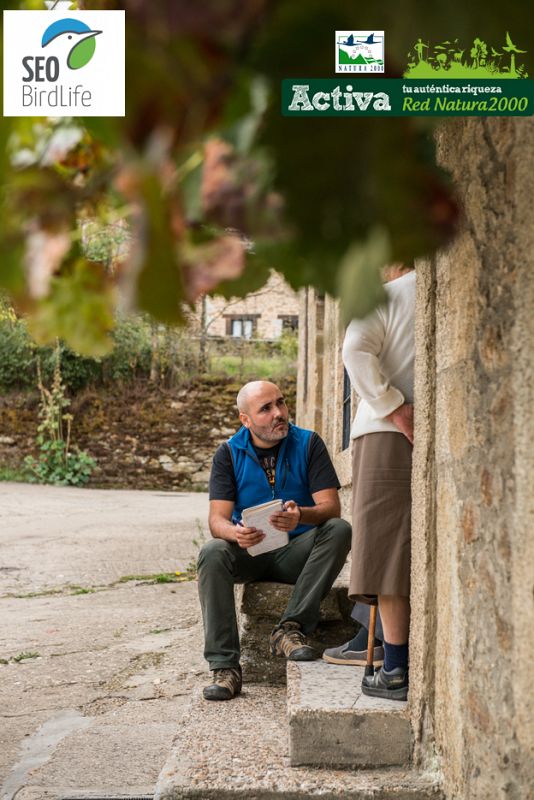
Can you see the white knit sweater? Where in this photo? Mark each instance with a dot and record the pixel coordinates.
(378, 353)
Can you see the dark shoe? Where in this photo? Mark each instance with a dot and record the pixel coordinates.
(355, 658)
(287, 640)
(389, 685)
(226, 684)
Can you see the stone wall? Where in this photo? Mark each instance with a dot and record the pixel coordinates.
(320, 381)
(310, 366)
(266, 307)
(473, 552)
(471, 639)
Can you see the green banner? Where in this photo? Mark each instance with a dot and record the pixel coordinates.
(383, 97)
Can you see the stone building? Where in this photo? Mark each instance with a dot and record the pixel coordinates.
(471, 701)
(264, 314)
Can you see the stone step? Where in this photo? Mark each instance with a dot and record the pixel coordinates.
(331, 723)
(238, 750)
(259, 607)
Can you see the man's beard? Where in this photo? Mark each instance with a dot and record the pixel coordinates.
(271, 434)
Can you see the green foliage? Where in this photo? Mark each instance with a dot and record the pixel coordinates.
(359, 276)
(14, 474)
(77, 371)
(253, 367)
(302, 192)
(58, 461)
(142, 350)
(24, 656)
(132, 351)
(78, 309)
(59, 466)
(161, 577)
(104, 242)
(17, 355)
(289, 345)
(257, 359)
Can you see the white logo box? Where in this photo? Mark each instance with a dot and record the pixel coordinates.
(372, 51)
(103, 78)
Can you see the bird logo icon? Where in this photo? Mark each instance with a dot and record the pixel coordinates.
(73, 38)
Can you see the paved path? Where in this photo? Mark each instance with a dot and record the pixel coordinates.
(97, 706)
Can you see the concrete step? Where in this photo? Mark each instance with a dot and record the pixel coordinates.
(259, 607)
(331, 723)
(238, 750)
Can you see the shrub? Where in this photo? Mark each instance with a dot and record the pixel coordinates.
(77, 371)
(289, 345)
(17, 355)
(58, 461)
(132, 350)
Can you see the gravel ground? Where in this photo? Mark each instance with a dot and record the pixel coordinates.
(96, 672)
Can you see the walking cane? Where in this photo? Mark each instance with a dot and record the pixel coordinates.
(370, 667)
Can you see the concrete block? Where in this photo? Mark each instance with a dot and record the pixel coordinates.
(238, 751)
(331, 723)
(259, 607)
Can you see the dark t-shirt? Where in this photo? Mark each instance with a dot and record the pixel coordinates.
(321, 472)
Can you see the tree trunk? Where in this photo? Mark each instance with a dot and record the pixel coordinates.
(202, 354)
(154, 357)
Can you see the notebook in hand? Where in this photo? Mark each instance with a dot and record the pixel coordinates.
(258, 517)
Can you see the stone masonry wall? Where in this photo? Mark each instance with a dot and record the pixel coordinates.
(275, 299)
(473, 569)
(310, 366)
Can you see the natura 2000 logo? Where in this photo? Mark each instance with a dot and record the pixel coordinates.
(63, 66)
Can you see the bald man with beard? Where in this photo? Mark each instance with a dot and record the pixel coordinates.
(268, 458)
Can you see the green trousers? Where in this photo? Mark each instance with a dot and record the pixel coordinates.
(312, 561)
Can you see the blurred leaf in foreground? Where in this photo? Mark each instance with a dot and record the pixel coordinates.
(360, 284)
(78, 309)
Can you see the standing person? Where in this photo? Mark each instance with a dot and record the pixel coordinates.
(268, 458)
(378, 353)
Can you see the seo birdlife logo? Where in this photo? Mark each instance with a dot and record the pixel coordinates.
(75, 37)
(64, 66)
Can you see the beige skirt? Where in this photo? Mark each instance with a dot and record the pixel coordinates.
(381, 516)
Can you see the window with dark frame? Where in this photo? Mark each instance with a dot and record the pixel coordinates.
(347, 410)
(290, 322)
(241, 326)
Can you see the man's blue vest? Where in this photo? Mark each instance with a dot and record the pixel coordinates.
(292, 482)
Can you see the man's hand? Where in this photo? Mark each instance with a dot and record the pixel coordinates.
(402, 418)
(288, 519)
(246, 537)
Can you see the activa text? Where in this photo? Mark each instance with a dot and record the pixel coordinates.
(353, 101)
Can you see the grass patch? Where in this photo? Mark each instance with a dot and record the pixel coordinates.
(160, 630)
(44, 593)
(70, 589)
(4, 661)
(161, 577)
(272, 368)
(25, 656)
(15, 474)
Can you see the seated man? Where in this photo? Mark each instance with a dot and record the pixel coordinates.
(268, 458)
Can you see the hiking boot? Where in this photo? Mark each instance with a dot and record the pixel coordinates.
(389, 685)
(356, 658)
(287, 640)
(226, 684)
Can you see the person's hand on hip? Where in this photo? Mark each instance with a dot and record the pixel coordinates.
(402, 418)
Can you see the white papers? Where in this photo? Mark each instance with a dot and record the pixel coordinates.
(258, 517)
